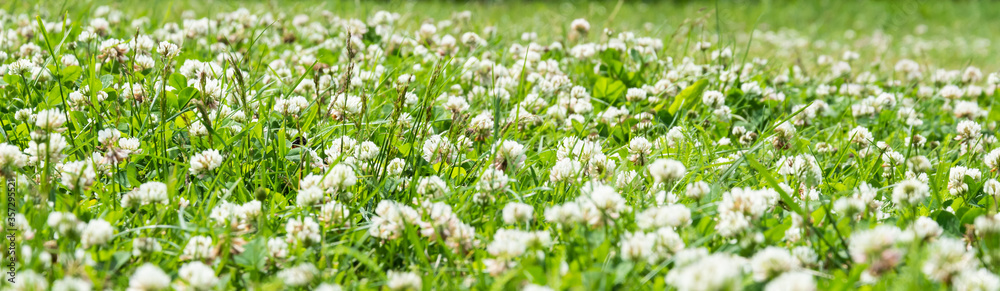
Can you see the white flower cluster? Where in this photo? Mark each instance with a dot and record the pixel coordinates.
(276, 147)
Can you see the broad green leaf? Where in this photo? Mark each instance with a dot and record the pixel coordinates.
(107, 81)
(71, 73)
(56, 96)
(253, 255)
(608, 89)
(177, 81)
(948, 222)
(687, 98)
(184, 96)
(970, 216)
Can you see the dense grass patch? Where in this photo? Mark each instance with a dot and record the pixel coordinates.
(539, 146)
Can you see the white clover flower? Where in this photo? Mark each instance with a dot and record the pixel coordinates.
(70, 283)
(626, 179)
(198, 248)
(225, 213)
(29, 280)
(205, 162)
(861, 136)
(792, 281)
(405, 79)
(349, 105)
(78, 175)
(340, 146)
(492, 180)
(25, 115)
(951, 92)
(968, 130)
(20, 67)
(249, 210)
(666, 170)
(510, 156)
(403, 281)
(918, 164)
(508, 243)
(237, 217)
(456, 104)
(806, 255)
(340, 178)
(149, 277)
(290, 106)
(992, 159)
(108, 136)
(501, 103)
(636, 246)
(741, 205)
(533, 287)
(571, 147)
(803, 167)
(277, 248)
(432, 186)
(784, 131)
(712, 272)
(565, 214)
(580, 25)
(167, 49)
(427, 30)
(956, 179)
(145, 245)
(334, 213)
(396, 167)
(97, 233)
(987, 225)
(197, 129)
(910, 192)
(144, 62)
(976, 279)
(515, 212)
(145, 194)
(65, 223)
(674, 136)
(51, 120)
(305, 230)
(849, 206)
(992, 188)
(299, 275)
(673, 216)
(198, 276)
(600, 203)
(876, 247)
(948, 257)
(697, 190)
(668, 243)
(565, 170)
(309, 196)
(639, 148)
(438, 149)
(130, 144)
(840, 69)
(714, 99)
(772, 262)
(366, 151)
(635, 94)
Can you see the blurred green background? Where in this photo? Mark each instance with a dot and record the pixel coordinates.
(964, 25)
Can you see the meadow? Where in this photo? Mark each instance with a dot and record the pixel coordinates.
(574, 145)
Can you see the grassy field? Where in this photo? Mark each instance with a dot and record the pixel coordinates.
(960, 21)
(283, 145)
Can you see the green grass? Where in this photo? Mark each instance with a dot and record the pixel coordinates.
(785, 157)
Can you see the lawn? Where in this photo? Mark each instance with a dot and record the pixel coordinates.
(691, 145)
